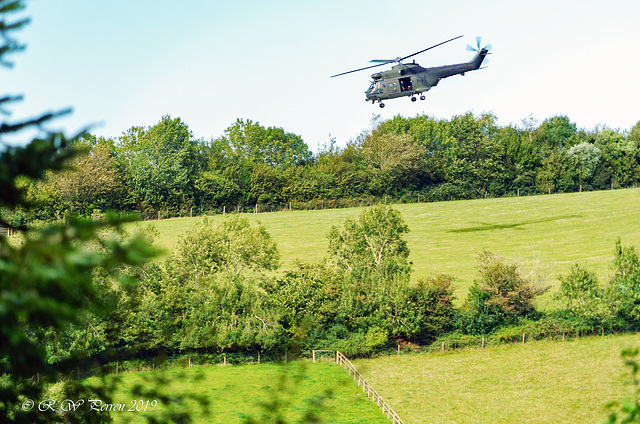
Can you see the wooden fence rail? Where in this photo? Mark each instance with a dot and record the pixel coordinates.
(368, 388)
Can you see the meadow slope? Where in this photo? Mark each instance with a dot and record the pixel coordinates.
(535, 383)
(544, 234)
(238, 393)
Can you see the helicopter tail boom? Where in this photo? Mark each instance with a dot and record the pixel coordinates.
(459, 68)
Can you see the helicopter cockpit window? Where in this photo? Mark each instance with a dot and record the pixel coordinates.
(375, 87)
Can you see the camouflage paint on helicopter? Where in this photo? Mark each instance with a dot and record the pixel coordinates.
(411, 79)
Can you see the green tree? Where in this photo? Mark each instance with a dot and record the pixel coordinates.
(394, 160)
(273, 146)
(309, 298)
(162, 165)
(90, 184)
(212, 293)
(435, 136)
(372, 246)
(586, 158)
(232, 245)
(46, 280)
(475, 163)
(556, 173)
(215, 190)
(620, 158)
(522, 158)
(267, 184)
(634, 134)
(555, 133)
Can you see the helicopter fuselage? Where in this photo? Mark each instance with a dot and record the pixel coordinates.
(410, 79)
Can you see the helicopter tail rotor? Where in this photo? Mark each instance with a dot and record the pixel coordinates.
(477, 46)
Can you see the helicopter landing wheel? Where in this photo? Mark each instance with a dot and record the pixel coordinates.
(422, 97)
(381, 105)
(413, 99)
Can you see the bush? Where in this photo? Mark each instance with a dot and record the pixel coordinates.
(583, 296)
(501, 296)
(423, 312)
(624, 287)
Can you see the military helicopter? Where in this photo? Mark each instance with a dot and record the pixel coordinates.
(411, 79)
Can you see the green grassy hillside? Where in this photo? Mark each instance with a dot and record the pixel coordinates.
(545, 234)
(535, 383)
(236, 393)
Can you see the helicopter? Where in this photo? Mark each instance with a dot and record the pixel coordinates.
(411, 79)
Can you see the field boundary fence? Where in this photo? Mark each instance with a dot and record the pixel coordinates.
(268, 207)
(367, 388)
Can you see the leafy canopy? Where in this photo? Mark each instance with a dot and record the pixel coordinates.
(372, 245)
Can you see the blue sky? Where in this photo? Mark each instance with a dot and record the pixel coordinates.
(124, 63)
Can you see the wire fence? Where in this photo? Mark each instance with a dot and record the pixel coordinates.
(315, 204)
(367, 388)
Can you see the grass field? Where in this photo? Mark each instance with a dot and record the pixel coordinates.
(544, 234)
(235, 393)
(535, 383)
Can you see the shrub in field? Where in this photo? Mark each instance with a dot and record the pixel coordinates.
(501, 296)
(616, 306)
(550, 327)
(425, 311)
(624, 287)
(585, 298)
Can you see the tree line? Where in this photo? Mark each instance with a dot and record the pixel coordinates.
(163, 168)
(216, 294)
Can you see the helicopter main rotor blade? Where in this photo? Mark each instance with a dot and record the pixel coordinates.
(429, 48)
(361, 69)
(381, 62)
